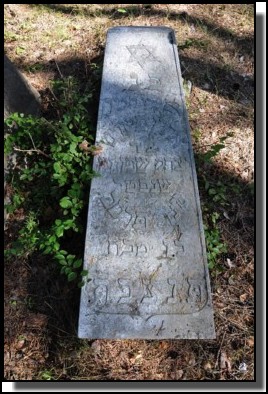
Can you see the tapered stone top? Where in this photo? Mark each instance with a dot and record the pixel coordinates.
(145, 247)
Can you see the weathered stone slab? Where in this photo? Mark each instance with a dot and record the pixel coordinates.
(19, 95)
(145, 247)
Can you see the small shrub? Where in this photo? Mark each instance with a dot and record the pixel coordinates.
(50, 180)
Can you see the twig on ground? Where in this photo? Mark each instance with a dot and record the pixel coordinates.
(32, 141)
(219, 351)
(33, 150)
(59, 69)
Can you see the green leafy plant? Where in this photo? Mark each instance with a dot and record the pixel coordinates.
(9, 36)
(214, 243)
(50, 180)
(216, 148)
(217, 191)
(33, 68)
(122, 10)
(197, 43)
(20, 50)
(47, 375)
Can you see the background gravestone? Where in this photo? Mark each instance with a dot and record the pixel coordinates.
(19, 96)
(145, 247)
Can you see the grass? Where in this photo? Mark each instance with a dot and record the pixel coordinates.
(216, 52)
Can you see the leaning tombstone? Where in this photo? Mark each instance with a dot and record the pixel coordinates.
(145, 247)
(19, 96)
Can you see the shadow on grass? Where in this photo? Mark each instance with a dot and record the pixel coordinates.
(222, 80)
(244, 44)
(226, 83)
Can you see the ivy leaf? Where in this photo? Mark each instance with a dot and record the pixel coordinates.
(62, 262)
(59, 231)
(77, 263)
(68, 224)
(212, 191)
(72, 276)
(59, 256)
(84, 273)
(65, 202)
(62, 271)
(57, 167)
(73, 147)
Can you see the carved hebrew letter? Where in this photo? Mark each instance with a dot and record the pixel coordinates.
(100, 291)
(124, 285)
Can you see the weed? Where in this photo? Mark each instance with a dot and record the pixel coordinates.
(26, 26)
(47, 375)
(217, 192)
(9, 36)
(216, 148)
(193, 42)
(187, 87)
(96, 69)
(29, 302)
(20, 50)
(197, 134)
(122, 10)
(215, 246)
(50, 178)
(217, 195)
(34, 68)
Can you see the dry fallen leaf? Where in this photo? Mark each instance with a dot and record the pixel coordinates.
(36, 320)
(243, 297)
(84, 146)
(20, 344)
(243, 367)
(191, 360)
(177, 374)
(96, 150)
(250, 341)
(163, 344)
(225, 214)
(225, 362)
(138, 356)
(95, 346)
(93, 149)
(207, 366)
(229, 263)
(250, 290)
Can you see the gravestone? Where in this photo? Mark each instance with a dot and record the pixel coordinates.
(145, 247)
(19, 96)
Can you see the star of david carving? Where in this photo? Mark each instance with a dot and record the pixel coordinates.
(141, 54)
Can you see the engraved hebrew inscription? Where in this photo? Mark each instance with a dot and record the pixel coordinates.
(144, 248)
